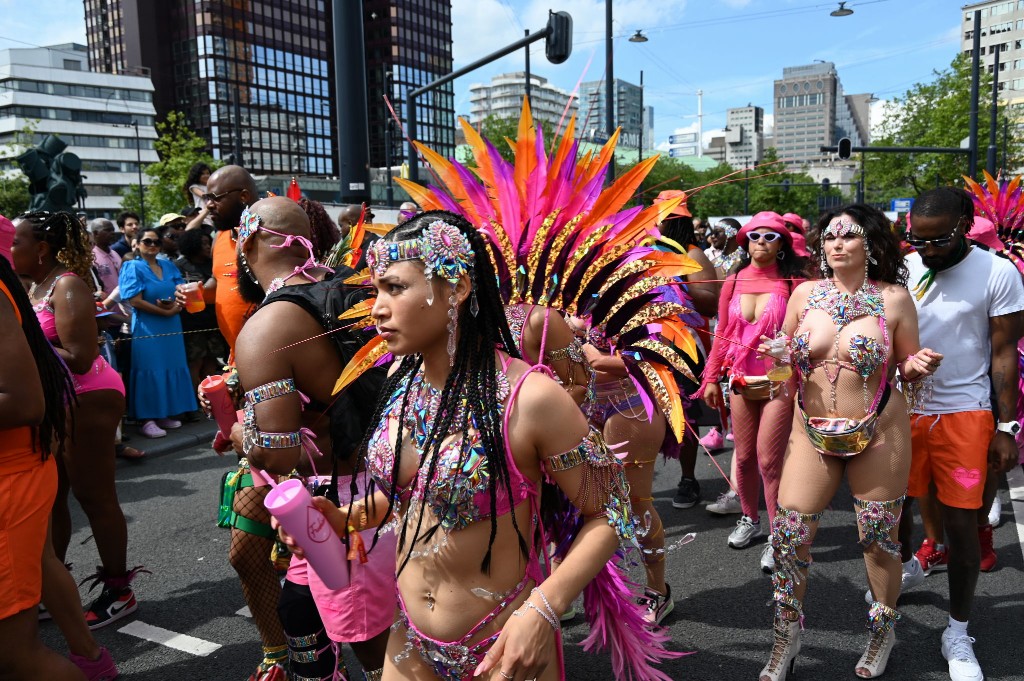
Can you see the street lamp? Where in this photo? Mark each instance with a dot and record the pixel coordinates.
(842, 11)
(746, 185)
(638, 37)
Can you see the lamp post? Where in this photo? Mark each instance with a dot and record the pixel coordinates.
(640, 142)
(746, 185)
(138, 156)
(609, 83)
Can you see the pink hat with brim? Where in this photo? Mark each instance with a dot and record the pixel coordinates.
(766, 219)
(800, 245)
(6, 238)
(984, 232)
(795, 220)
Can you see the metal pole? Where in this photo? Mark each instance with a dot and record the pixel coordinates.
(237, 130)
(138, 159)
(990, 164)
(387, 161)
(640, 144)
(1006, 135)
(609, 82)
(746, 186)
(526, 33)
(414, 161)
(860, 187)
(352, 153)
(972, 167)
(700, 123)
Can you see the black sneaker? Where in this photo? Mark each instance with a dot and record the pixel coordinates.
(112, 605)
(687, 494)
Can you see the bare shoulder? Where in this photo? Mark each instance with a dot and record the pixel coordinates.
(274, 326)
(896, 296)
(803, 290)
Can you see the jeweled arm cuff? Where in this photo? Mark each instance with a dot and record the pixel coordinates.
(572, 352)
(254, 437)
(592, 449)
(268, 391)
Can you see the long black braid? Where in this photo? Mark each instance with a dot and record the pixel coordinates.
(472, 380)
(58, 390)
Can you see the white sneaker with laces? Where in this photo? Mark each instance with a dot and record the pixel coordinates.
(746, 531)
(913, 576)
(768, 559)
(995, 513)
(727, 504)
(958, 649)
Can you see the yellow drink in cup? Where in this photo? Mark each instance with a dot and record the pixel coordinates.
(193, 297)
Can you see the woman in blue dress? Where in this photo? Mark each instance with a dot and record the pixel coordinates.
(160, 384)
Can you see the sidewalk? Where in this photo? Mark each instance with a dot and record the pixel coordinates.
(198, 434)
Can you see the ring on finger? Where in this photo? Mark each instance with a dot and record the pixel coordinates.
(504, 675)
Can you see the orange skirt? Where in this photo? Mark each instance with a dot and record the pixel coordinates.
(26, 498)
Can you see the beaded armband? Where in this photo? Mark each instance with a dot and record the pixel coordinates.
(269, 391)
(603, 483)
(252, 436)
(572, 352)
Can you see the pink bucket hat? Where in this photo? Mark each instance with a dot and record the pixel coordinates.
(984, 232)
(6, 238)
(795, 220)
(769, 220)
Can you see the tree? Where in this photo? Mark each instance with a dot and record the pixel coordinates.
(932, 114)
(14, 196)
(179, 148)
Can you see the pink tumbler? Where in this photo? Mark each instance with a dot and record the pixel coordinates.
(293, 507)
(216, 391)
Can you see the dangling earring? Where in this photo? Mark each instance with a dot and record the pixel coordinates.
(453, 323)
(868, 259)
(474, 305)
(824, 264)
(40, 260)
(781, 255)
(430, 286)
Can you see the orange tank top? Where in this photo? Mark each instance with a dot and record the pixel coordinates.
(17, 453)
(231, 309)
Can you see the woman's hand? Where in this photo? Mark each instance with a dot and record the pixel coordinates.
(777, 347)
(524, 648)
(713, 395)
(333, 514)
(236, 437)
(179, 295)
(925, 363)
(168, 308)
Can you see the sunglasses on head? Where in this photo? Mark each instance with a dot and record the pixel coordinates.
(767, 237)
(150, 242)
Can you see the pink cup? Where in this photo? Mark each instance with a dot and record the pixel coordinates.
(216, 391)
(293, 507)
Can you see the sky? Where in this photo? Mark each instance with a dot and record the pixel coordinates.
(731, 49)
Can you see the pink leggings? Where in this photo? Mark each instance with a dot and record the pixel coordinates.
(761, 432)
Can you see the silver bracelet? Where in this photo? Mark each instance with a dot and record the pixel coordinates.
(555, 624)
(551, 611)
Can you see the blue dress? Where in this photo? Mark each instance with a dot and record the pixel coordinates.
(160, 382)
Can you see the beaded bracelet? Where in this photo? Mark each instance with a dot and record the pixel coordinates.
(551, 611)
(555, 624)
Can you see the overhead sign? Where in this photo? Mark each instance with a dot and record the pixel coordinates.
(902, 205)
(681, 152)
(683, 138)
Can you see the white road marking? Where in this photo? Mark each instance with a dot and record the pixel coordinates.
(171, 639)
(245, 612)
(1015, 479)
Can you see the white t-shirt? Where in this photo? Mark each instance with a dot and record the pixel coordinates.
(954, 319)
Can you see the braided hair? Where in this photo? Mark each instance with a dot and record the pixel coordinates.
(952, 202)
(323, 232)
(472, 381)
(68, 240)
(58, 390)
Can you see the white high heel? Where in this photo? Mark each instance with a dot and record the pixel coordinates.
(876, 656)
(784, 650)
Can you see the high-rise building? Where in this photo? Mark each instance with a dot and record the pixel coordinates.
(105, 119)
(630, 115)
(744, 135)
(811, 111)
(256, 79)
(1002, 24)
(503, 98)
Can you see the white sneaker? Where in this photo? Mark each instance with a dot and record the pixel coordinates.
(959, 652)
(746, 531)
(913, 576)
(995, 513)
(768, 559)
(727, 504)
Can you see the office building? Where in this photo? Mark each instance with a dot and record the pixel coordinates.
(106, 119)
(257, 79)
(503, 98)
(811, 111)
(744, 135)
(1002, 25)
(630, 114)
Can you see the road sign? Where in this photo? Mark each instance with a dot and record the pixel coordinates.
(902, 205)
(683, 138)
(681, 152)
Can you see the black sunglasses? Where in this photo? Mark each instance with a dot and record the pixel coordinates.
(217, 197)
(941, 242)
(150, 242)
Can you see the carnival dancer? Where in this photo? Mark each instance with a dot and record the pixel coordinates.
(54, 251)
(460, 467)
(284, 358)
(559, 241)
(969, 302)
(848, 332)
(753, 304)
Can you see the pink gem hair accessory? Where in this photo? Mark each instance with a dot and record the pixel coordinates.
(843, 226)
(250, 223)
(443, 249)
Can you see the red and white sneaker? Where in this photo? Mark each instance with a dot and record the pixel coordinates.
(111, 605)
(931, 557)
(988, 554)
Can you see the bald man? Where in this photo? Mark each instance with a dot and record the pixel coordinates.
(349, 217)
(284, 343)
(407, 211)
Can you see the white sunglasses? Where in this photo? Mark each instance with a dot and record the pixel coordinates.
(767, 237)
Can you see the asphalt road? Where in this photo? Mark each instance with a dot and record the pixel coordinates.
(721, 611)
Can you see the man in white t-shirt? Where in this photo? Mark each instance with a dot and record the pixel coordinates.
(968, 304)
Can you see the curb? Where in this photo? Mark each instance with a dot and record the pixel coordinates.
(190, 435)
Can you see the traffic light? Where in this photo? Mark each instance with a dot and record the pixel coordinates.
(785, 185)
(558, 45)
(845, 148)
(826, 184)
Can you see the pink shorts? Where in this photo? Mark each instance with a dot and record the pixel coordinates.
(365, 607)
(100, 376)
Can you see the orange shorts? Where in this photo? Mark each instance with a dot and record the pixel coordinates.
(26, 498)
(951, 450)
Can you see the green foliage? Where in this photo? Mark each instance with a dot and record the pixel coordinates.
(14, 196)
(934, 114)
(179, 148)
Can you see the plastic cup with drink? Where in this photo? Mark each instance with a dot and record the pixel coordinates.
(777, 361)
(194, 301)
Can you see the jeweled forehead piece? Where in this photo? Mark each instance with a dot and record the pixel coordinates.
(842, 226)
(443, 249)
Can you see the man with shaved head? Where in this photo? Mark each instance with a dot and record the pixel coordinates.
(293, 346)
(349, 217)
